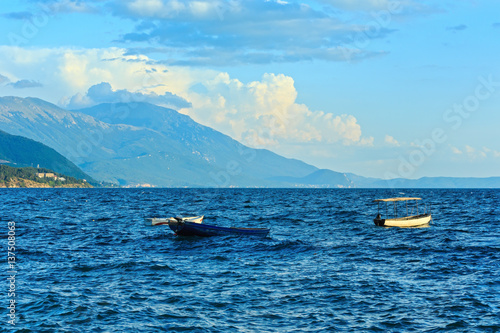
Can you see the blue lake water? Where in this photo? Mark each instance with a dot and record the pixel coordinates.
(86, 262)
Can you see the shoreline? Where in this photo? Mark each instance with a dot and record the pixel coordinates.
(26, 183)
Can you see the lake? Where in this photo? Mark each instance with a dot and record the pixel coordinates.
(85, 262)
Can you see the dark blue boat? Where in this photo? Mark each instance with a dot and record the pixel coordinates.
(184, 228)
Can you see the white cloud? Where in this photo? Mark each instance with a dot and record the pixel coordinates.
(152, 7)
(456, 151)
(391, 141)
(104, 93)
(469, 149)
(471, 153)
(491, 152)
(474, 153)
(367, 142)
(265, 113)
(168, 9)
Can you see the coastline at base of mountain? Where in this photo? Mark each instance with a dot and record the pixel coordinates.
(26, 183)
(11, 177)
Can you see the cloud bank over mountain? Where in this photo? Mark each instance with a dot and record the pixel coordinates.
(262, 113)
(104, 93)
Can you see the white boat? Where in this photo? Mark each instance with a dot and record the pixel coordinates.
(165, 220)
(413, 217)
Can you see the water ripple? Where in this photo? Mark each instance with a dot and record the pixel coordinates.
(87, 262)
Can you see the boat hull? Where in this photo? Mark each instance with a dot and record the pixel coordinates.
(404, 222)
(205, 230)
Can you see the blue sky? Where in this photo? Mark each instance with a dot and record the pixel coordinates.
(375, 87)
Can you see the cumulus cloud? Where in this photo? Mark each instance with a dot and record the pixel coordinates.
(488, 152)
(104, 93)
(265, 113)
(469, 149)
(22, 84)
(472, 153)
(391, 141)
(456, 151)
(366, 141)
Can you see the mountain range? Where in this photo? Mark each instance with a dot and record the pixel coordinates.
(140, 144)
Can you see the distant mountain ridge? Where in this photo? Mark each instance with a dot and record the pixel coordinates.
(222, 159)
(323, 178)
(431, 182)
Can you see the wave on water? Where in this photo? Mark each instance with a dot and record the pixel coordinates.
(87, 262)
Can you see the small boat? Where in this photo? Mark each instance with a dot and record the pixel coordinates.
(188, 228)
(409, 220)
(165, 220)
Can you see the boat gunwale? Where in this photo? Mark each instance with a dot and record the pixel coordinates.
(408, 218)
(396, 199)
(419, 220)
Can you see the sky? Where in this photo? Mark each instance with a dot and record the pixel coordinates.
(378, 88)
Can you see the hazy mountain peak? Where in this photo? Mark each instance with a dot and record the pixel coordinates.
(140, 114)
